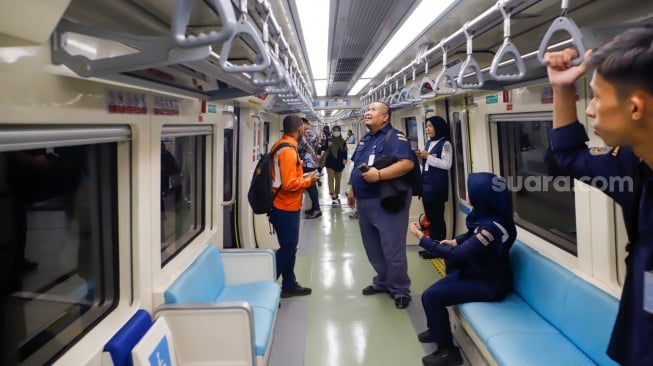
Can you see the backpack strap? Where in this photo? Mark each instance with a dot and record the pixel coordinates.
(272, 154)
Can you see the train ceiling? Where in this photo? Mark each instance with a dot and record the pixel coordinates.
(358, 30)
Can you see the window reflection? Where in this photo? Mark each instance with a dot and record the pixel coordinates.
(58, 247)
(182, 192)
(543, 202)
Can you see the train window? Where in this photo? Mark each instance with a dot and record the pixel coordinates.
(543, 201)
(59, 243)
(461, 148)
(410, 123)
(183, 186)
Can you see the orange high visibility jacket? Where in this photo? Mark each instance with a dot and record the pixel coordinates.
(287, 173)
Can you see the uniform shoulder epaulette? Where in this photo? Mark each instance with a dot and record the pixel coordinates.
(400, 136)
(602, 150)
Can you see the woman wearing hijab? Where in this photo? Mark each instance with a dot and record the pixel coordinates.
(436, 158)
(335, 162)
(481, 262)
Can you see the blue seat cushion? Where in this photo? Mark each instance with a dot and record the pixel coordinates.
(536, 349)
(258, 294)
(121, 344)
(509, 316)
(263, 297)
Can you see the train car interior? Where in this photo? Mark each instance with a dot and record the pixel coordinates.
(102, 102)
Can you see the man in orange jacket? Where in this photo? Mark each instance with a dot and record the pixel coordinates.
(288, 179)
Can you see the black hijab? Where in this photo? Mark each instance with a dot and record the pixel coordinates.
(491, 201)
(441, 128)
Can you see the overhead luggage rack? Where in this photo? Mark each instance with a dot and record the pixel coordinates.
(199, 51)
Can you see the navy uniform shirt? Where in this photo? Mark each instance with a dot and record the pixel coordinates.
(623, 176)
(374, 144)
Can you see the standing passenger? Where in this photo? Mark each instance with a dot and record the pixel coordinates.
(308, 145)
(286, 207)
(351, 139)
(383, 231)
(335, 162)
(481, 259)
(622, 109)
(435, 174)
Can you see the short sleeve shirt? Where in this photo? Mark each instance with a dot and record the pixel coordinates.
(371, 147)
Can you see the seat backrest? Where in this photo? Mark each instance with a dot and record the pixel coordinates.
(120, 345)
(155, 348)
(582, 312)
(542, 283)
(587, 319)
(202, 281)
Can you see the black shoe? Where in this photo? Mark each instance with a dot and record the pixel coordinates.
(402, 302)
(314, 214)
(424, 337)
(446, 356)
(371, 290)
(298, 290)
(308, 211)
(426, 255)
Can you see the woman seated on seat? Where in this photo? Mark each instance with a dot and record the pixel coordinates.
(478, 260)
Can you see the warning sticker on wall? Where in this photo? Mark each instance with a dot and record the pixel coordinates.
(120, 101)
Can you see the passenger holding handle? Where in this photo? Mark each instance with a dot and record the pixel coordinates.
(622, 111)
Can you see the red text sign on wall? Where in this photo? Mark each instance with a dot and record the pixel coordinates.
(165, 106)
(120, 101)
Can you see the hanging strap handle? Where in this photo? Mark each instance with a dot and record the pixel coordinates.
(452, 87)
(245, 27)
(507, 48)
(565, 24)
(181, 19)
(470, 63)
(427, 86)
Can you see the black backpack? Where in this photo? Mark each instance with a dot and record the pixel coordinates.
(414, 177)
(260, 194)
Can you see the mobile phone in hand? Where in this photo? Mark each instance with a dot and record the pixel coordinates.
(363, 168)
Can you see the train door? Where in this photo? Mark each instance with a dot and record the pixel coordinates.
(229, 174)
(460, 168)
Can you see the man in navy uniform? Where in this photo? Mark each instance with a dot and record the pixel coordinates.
(622, 112)
(383, 231)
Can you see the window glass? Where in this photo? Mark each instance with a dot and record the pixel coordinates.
(543, 201)
(58, 249)
(410, 124)
(182, 192)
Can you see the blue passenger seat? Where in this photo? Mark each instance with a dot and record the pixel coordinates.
(553, 317)
(121, 344)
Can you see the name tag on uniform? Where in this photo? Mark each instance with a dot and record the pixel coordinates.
(370, 160)
(648, 291)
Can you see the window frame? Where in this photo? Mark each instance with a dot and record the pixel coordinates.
(17, 137)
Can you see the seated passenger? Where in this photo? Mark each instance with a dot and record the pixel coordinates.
(480, 260)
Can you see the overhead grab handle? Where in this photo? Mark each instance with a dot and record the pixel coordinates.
(470, 63)
(181, 18)
(150, 51)
(565, 24)
(507, 48)
(248, 28)
(274, 74)
(444, 78)
(427, 86)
